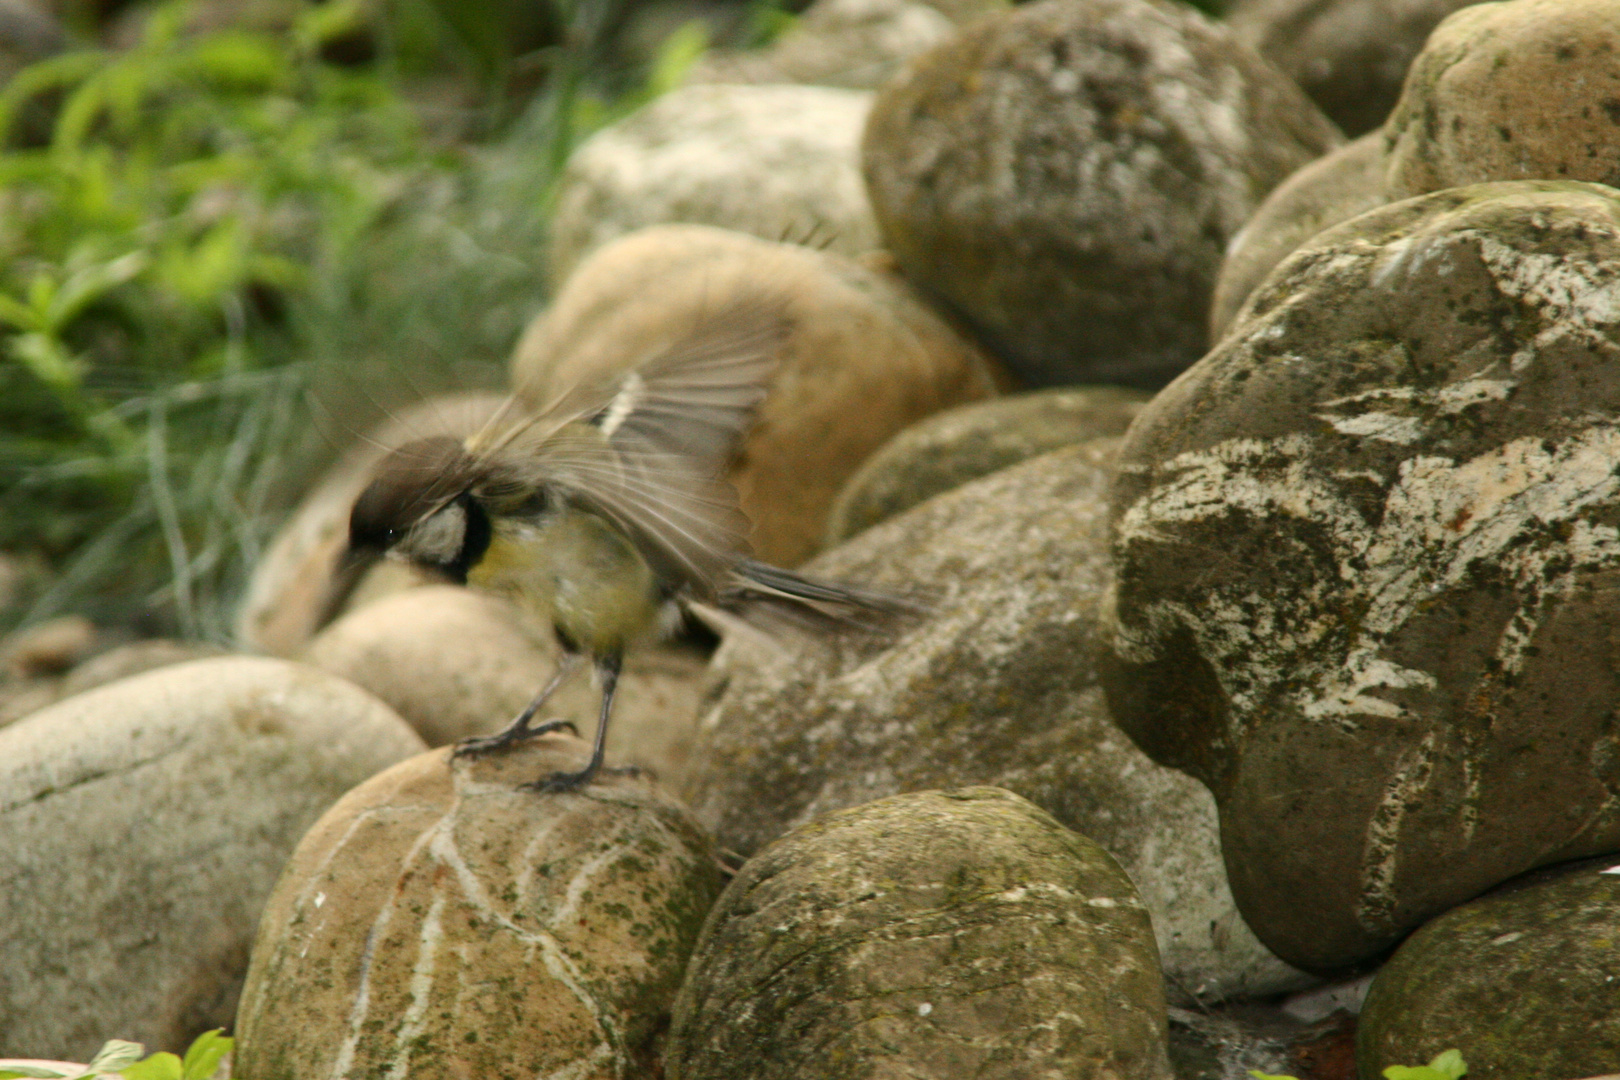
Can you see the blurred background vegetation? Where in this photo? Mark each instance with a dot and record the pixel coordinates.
(234, 233)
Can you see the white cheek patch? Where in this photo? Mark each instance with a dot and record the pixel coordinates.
(438, 538)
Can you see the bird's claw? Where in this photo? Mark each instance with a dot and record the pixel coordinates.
(479, 745)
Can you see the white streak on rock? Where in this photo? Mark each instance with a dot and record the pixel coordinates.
(427, 955)
(1381, 852)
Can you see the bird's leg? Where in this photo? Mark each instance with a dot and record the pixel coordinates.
(608, 668)
(519, 730)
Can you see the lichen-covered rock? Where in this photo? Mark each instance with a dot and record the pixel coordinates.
(858, 44)
(865, 358)
(1367, 565)
(1521, 90)
(996, 685)
(942, 934)
(457, 663)
(443, 922)
(1330, 190)
(1067, 174)
(1523, 981)
(777, 162)
(971, 441)
(144, 824)
(1350, 56)
(289, 592)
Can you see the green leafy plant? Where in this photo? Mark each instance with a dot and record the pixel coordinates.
(121, 1058)
(1446, 1066)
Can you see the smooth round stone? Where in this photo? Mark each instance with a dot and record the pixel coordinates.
(145, 823)
(1522, 980)
(1350, 56)
(946, 933)
(777, 162)
(442, 921)
(996, 684)
(1067, 174)
(865, 357)
(1330, 190)
(1367, 563)
(965, 443)
(1522, 90)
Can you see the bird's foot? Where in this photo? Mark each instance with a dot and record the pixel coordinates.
(489, 744)
(573, 781)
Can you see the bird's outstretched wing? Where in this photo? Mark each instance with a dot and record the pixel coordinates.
(647, 450)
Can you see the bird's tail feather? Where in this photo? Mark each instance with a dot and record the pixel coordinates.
(767, 595)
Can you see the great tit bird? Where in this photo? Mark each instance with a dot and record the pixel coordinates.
(604, 510)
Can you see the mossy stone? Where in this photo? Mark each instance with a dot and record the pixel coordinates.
(939, 934)
(1525, 982)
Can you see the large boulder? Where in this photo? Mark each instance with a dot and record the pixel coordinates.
(865, 357)
(1521, 90)
(777, 162)
(1522, 980)
(442, 921)
(145, 823)
(952, 934)
(1367, 565)
(970, 441)
(1350, 56)
(995, 685)
(1067, 174)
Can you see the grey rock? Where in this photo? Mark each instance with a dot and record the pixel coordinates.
(1366, 561)
(996, 685)
(144, 824)
(1523, 90)
(1235, 1042)
(776, 162)
(1067, 174)
(962, 444)
(1328, 191)
(1350, 56)
(940, 934)
(1521, 980)
(442, 921)
(857, 44)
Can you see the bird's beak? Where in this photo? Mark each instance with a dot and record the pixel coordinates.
(347, 572)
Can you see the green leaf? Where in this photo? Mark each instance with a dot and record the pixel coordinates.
(1446, 1066)
(160, 1066)
(114, 1056)
(1268, 1076)
(16, 1072)
(204, 1055)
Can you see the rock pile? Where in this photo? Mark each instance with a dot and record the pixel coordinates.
(1211, 720)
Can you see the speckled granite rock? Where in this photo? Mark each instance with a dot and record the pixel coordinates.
(995, 686)
(941, 934)
(865, 358)
(1367, 565)
(1522, 90)
(1067, 174)
(1350, 56)
(777, 162)
(1328, 191)
(144, 824)
(1523, 980)
(965, 443)
(443, 922)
